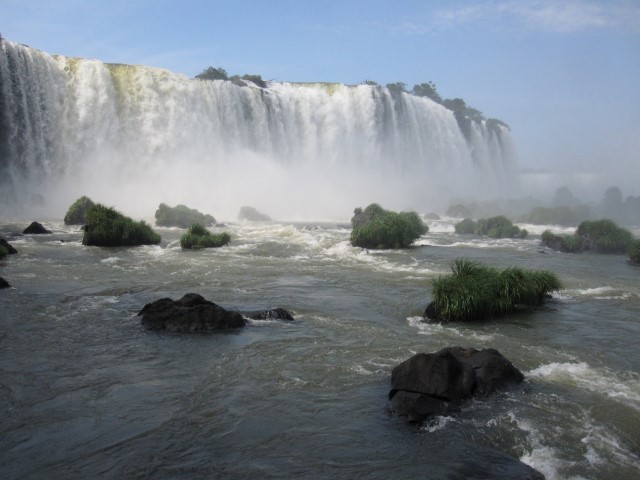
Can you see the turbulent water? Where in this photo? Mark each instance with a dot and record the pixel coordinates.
(86, 392)
(136, 136)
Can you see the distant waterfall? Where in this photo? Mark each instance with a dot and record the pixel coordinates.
(72, 126)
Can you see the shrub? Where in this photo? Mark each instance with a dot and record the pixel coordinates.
(199, 237)
(106, 227)
(378, 228)
(181, 216)
(634, 251)
(561, 215)
(77, 213)
(475, 292)
(599, 236)
(494, 227)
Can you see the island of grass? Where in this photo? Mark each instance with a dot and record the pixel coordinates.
(377, 228)
(477, 292)
(634, 252)
(107, 227)
(77, 213)
(181, 216)
(199, 237)
(598, 236)
(494, 227)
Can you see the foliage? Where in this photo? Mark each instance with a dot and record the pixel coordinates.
(77, 213)
(181, 216)
(369, 82)
(599, 236)
(634, 251)
(397, 88)
(3, 252)
(494, 227)
(427, 90)
(604, 236)
(252, 215)
(378, 228)
(256, 79)
(459, 210)
(475, 292)
(199, 237)
(106, 227)
(466, 226)
(213, 74)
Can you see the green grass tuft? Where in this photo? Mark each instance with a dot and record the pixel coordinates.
(598, 236)
(494, 227)
(634, 251)
(475, 292)
(199, 237)
(107, 227)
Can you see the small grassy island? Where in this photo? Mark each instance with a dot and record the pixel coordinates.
(477, 292)
(199, 237)
(107, 227)
(77, 213)
(377, 228)
(494, 227)
(181, 216)
(598, 236)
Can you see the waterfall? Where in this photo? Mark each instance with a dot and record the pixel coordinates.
(133, 136)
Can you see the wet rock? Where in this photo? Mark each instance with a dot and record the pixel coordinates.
(437, 383)
(192, 313)
(271, 314)
(35, 229)
(4, 283)
(7, 246)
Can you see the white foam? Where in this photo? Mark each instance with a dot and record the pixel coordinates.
(601, 381)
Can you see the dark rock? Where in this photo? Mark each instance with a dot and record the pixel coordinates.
(192, 313)
(4, 283)
(431, 313)
(437, 383)
(35, 229)
(271, 314)
(7, 246)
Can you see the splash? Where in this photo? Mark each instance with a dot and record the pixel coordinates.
(135, 136)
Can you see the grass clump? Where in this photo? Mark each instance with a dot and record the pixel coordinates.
(634, 251)
(107, 227)
(181, 216)
(77, 212)
(377, 228)
(494, 227)
(199, 237)
(476, 292)
(598, 236)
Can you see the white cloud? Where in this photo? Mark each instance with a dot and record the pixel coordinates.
(536, 15)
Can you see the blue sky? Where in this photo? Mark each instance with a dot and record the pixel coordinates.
(565, 75)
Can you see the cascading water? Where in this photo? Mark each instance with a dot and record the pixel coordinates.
(134, 136)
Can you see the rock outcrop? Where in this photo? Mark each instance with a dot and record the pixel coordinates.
(437, 383)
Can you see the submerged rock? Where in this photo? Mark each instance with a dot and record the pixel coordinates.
(4, 283)
(437, 383)
(271, 314)
(192, 313)
(35, 229)
(8, 247)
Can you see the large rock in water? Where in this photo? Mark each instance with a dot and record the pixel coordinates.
(192, 313)
(437, 383)
(8, 247)
(4, 283)
(35, 229)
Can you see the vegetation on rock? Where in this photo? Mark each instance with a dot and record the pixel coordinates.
(598, 236)
(494, 227)
(3, 252)
(77, 213)
(181, 216)
(377, 228)
(107, 227)
(634, 251)
(199, 237)
(475, 291)
(561, 215)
